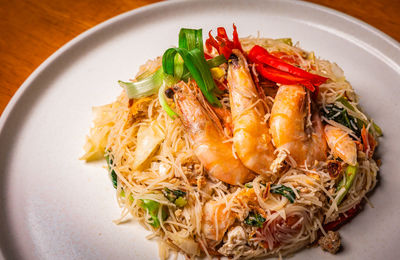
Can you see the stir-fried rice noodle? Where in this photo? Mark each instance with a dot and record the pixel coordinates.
(171, 163)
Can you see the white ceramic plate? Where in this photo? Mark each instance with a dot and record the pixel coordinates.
(54, 206)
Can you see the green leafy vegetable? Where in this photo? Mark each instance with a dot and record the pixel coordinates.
(145, 87)
(341, 116)
(360, 122)
(176, 196)
(255, 220)
(152, 207)
(347, 181)
(113, 175)
(284, 191)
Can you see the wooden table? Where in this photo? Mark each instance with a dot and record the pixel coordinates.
(31, 30)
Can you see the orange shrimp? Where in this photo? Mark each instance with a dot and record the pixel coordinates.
(217, 219)
(207, 141)
(287, 126)
(251, 136)
(341, 144)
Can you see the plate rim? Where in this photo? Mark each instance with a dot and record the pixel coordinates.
(153, 7)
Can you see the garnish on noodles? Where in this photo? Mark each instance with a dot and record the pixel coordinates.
(242, 148)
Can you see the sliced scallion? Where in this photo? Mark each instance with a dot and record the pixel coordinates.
(145, 87)
(215, 62)
(179, 67)
(190, 39)
(164, 103)
(198, 68)
(347, 181)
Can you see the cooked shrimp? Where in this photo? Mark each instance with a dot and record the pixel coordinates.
(207, 141)
(217, 219)
(341, 144)
(251, 136)
(287, 126)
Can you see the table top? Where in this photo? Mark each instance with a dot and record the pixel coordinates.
(32, 30)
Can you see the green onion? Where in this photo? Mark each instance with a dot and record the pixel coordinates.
(255, 220)
(347, 181)
(179, 68)
(191, 52)
(113, 175)
(284, 191)
(145, 87)
(164, 103)
(378, 130)
(190, 39)
(215, 62)
(198, 68)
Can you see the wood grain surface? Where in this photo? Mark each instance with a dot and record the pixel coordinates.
(31, 30)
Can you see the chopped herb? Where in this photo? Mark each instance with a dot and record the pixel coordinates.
(284, 191)
(255, 220)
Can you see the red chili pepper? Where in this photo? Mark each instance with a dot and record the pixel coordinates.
(236, 42)
(291, 59)
(343, 218)
(222, 42)
(207, 56)
(282, 77)
(211, 42)
(259, 54)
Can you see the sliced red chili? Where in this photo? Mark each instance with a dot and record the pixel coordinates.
(282, 77)
(291, 59)
(259, 54)
(222, 43)
(211, 42)
(207, 56)
(222, 33)
(236, 41)
(343, 219)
